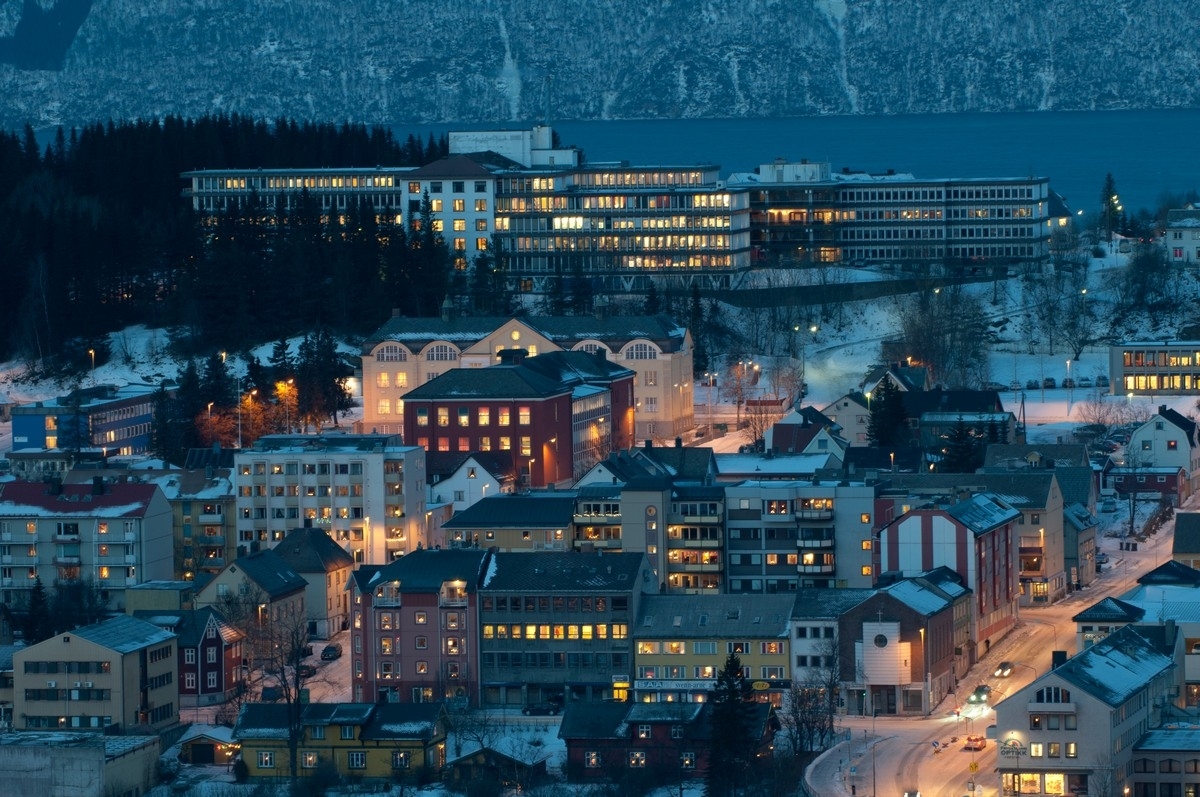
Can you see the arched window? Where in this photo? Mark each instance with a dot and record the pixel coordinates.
(441, 353)
(641, 351)
(593, 348)
(391, 353)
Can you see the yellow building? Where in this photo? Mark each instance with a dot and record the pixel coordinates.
(120, 672)
(376, 741)
(681, 642)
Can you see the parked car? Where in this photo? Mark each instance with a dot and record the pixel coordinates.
(306, 670)
(1069, 382)
(1102, 381)
(1108, 505)
(975, 743)
(1031, 384)
(331, 652)
(1085, 381)
(1049, 383)
(541, 709)
(981, 694)
(1102, 558)
(1003, 669)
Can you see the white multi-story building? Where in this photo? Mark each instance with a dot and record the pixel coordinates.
(405, 353)
(112, 534)
(367, 491)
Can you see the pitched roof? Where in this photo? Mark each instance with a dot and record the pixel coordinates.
(269, 572)
(190, 625)
(919, 402)
(615, 332)
(684, 616)
(923, 597)
(1076, 483)
(983, 512)
(123, 634)
(1171, 572)
(1022, 456)
(1182, 421)
(604, 720)
(498, 381)
(115, 500)
(1024, 489)
(1110, 610)
(1187, 533)
(1119, 665)
(1077, 516)
(312, 550)
(427, 569)
(443, 464)
(684, 463)
(535, 510)
(403, 721)
(551, 571)
(827, 603)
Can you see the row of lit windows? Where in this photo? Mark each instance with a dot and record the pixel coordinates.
(582, 632)
(456, 187)
(501, 443)
(1152, 357)
(615, 243)
(483, 416)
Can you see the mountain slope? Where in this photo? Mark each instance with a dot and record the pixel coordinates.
(490, 61)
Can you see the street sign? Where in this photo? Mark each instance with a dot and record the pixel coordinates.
(974, 767)
(935, 744)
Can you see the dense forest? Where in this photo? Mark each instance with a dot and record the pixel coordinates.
(98, 236)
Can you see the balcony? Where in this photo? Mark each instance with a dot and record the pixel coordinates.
(69, 561)
(214, 519)
(211, 541)
(212, 563)
(814, 514)
(815, 543)
(130, 537)
(58, 537)
(6, 582)
(6, 559)
(597, 520)
(674, 543)
(819, 569)
(580, 542)
(699, 520)
(693, 567)
(6, 536)
(130, 559)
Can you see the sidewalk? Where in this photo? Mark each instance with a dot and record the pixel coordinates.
(844, 770)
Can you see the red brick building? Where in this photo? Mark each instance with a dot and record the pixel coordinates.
(557, 414)
(414, 626)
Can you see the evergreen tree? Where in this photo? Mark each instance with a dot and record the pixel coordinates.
(283, 367)
(732, 740)
(699, 333)
(38, 624)
(216, 383)
(962, 451)
(887, 420)
(320, 379)
(653, 304)
(1110, 207)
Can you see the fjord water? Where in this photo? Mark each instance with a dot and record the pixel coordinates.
(1148, 152)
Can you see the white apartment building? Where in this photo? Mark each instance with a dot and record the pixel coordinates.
(366, 490)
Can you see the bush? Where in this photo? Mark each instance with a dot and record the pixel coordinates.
(241, 772)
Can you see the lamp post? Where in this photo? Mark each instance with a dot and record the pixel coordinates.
(251, 393)
(92, 354)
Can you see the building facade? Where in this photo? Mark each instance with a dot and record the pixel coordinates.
(1144, 368)
(114, 534)
(104, 418)
(414, 630)
(407, 352)
(558, 625)
(366, 491)
(120, 672)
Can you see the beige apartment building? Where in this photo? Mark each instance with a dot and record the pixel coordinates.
(119, 672)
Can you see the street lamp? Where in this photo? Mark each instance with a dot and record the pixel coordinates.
(251, 393)
(92, 354)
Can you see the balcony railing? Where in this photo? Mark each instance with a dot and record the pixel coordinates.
(815, 568)
(581, 541)
(212, 563)
(212, 519)
(675, 543)
(598, 520)
(693, 567)
(814, 514)
(814, 543)
(210, 541)
(61, 559)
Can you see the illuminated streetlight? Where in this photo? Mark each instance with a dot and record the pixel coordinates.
(92, 354)
(251, 393)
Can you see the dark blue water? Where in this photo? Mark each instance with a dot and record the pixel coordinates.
(1148, 152)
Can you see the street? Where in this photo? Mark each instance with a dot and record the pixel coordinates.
(893, 755)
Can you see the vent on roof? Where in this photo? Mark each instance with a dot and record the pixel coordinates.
(733, 614)
(678, 620)
(756, 620)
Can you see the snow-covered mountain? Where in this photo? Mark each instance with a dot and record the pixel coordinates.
(491, 61)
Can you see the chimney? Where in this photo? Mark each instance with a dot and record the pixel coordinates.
(600, 307)
(97, 485)
(447, 306)
(1057, 659)
(649, 443)
(679, 442)
(1162, 409)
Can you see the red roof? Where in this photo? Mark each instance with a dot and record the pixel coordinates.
(120, 499)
